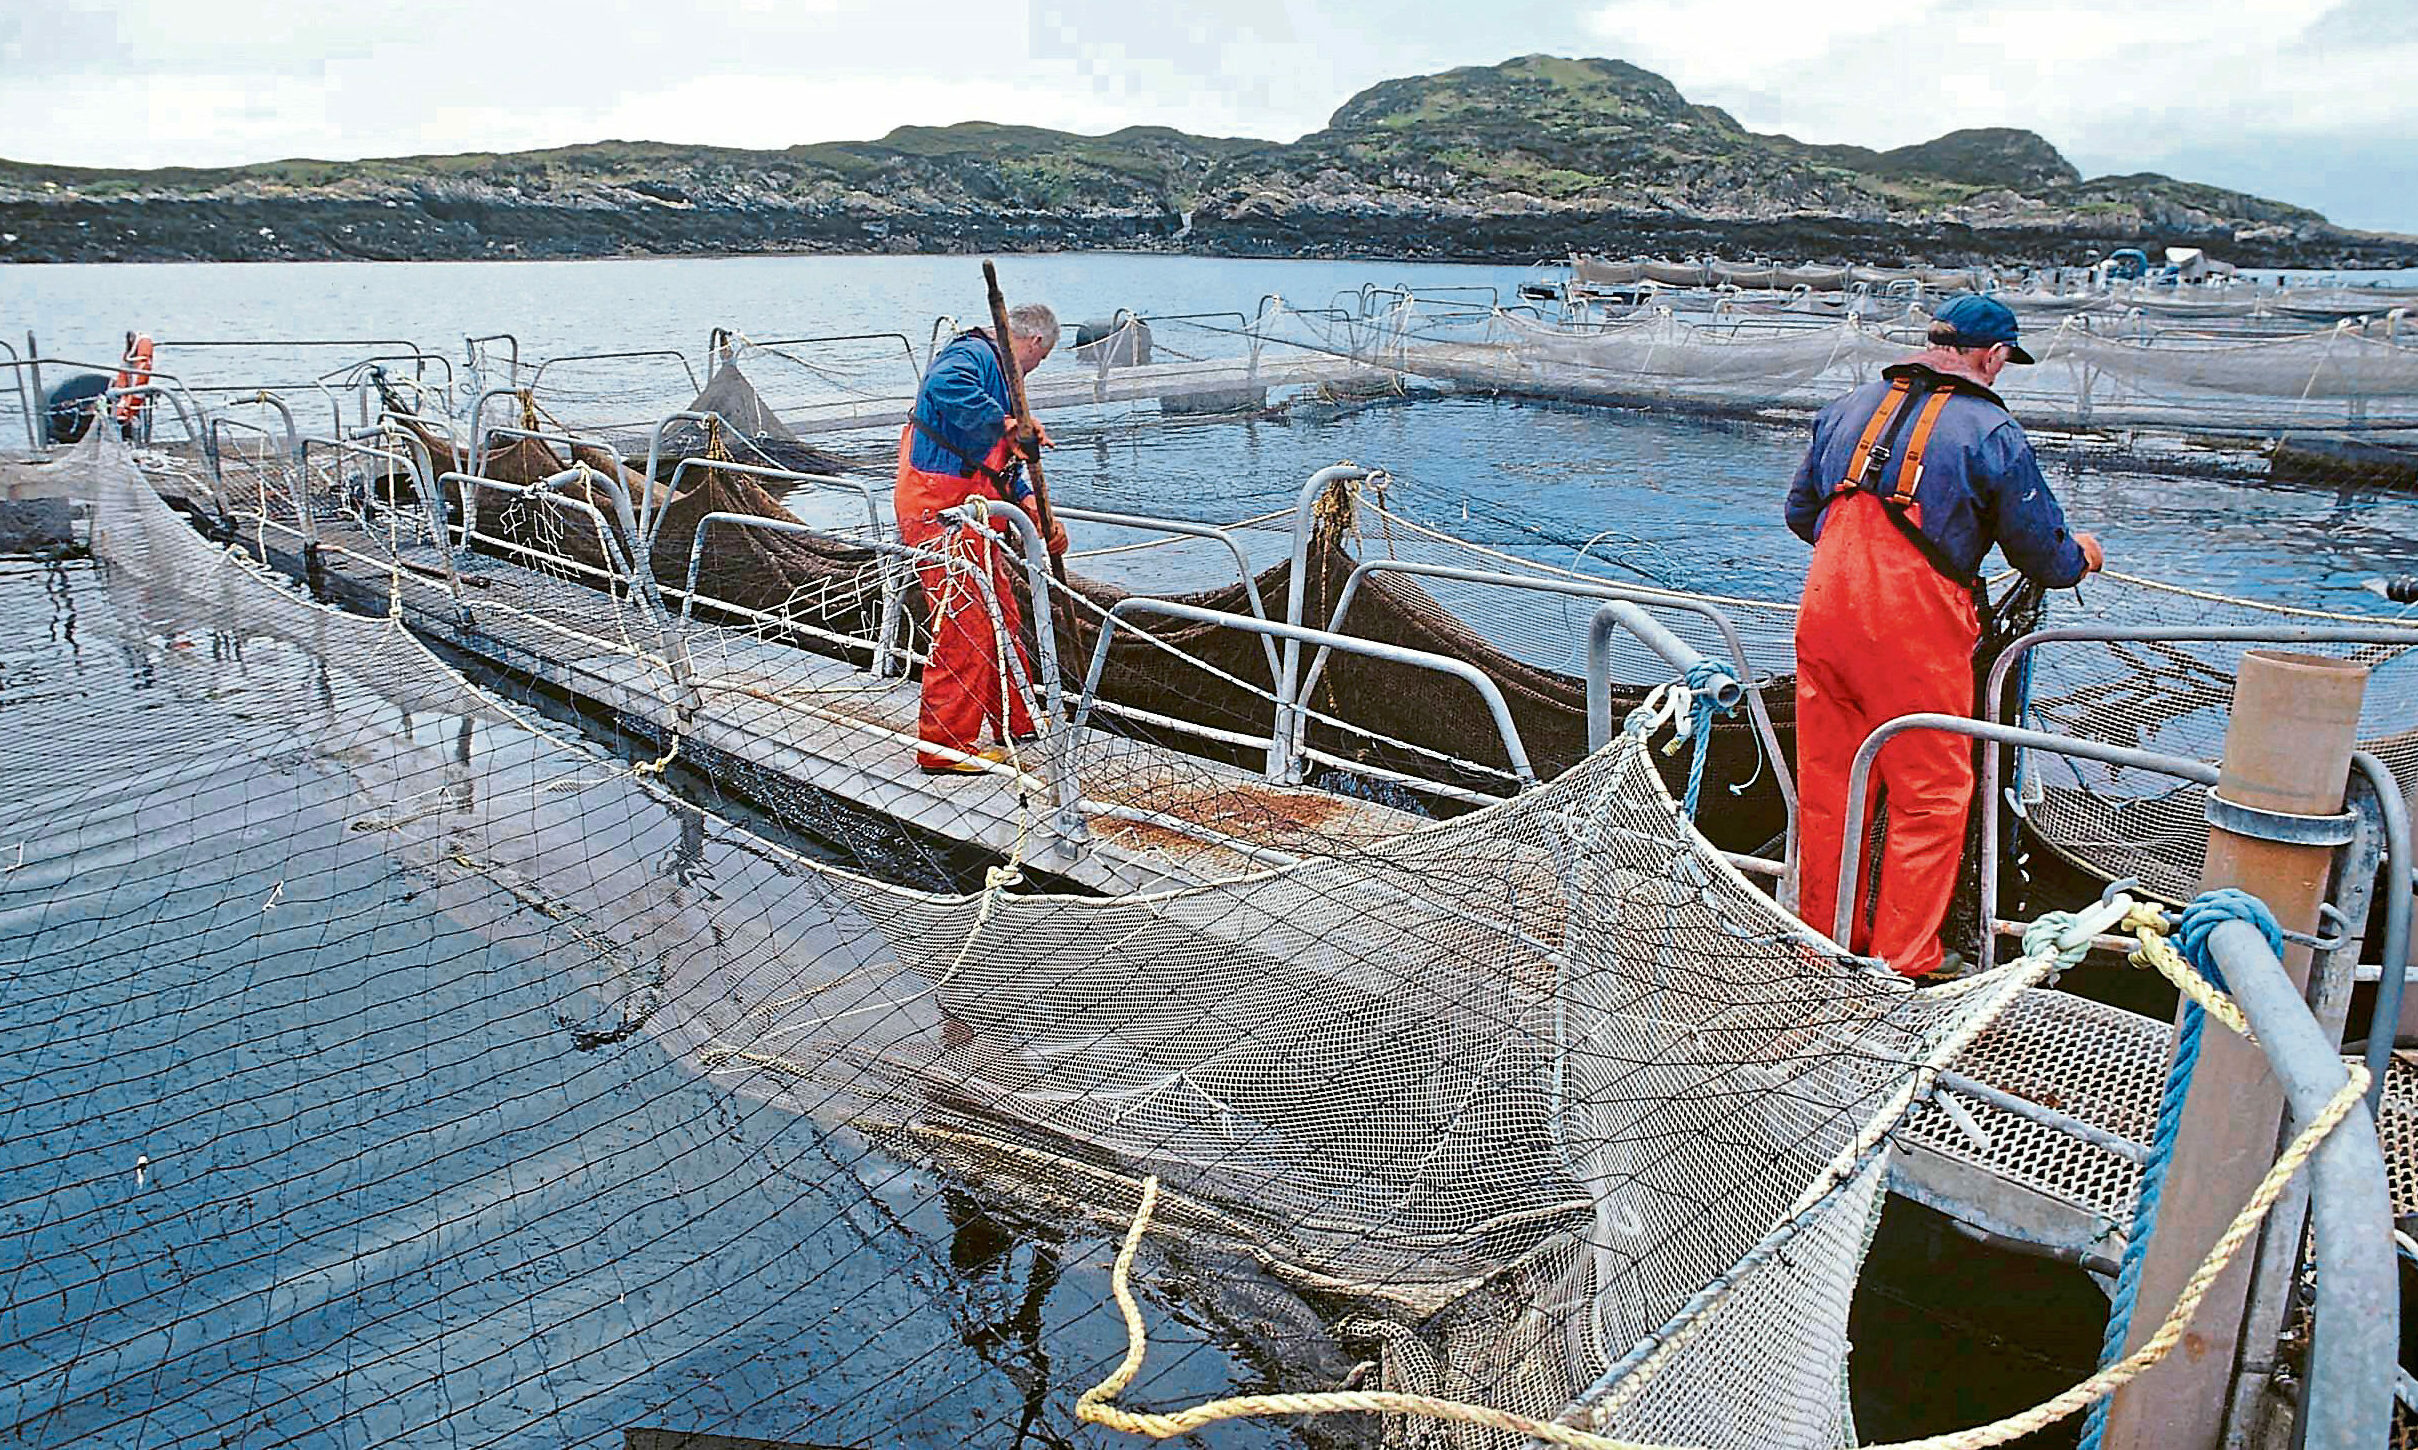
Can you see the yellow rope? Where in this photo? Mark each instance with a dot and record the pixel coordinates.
(1098, 1407)
(2148, 927)
(657, 767)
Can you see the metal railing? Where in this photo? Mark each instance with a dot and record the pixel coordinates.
(881, 646)
(1619, 614)
(537, 375)
(723, 338)
(886, 647)
(1668, 647)
(2355, 1318)
(650, 516)
(470, 350)
(1283, 747)
(2382, 796)
(411, 352)
(413, 461)
(177, 398)
(160, 384)
(37, 436)
(217, 449)
(1182, 528)
(618, 574)
(1281, 760)
(1034, 552)
(1859, 774)
(640, 586)
(2380, 834)
(2352, 1364)
(1994, 696)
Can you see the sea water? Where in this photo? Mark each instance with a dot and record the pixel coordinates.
(787, 1281)
(1688, 500)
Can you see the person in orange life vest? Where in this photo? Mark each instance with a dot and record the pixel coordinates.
(134, 371)
(959, 443)
(1909, 483)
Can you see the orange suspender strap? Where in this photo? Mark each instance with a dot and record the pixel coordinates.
(1910, 472)
(1882, 417)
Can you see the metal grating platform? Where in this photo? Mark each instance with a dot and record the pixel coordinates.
(2397, 1125)
(2094, 1062)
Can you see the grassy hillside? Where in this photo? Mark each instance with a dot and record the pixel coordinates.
(1537, 155)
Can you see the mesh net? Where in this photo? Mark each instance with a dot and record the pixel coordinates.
(456, 1083)
(2108, 822)
(2172, 696)
(2100, 363)
(2112, 822)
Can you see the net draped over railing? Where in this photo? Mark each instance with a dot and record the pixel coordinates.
(439, 1080)
(1747, 353)
(2172, 696)
(2113, 822)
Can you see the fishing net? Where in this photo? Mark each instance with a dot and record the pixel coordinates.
(2172, 696)
(1785, 346)
(725, 551)
(389, 1070)
(1161, 677)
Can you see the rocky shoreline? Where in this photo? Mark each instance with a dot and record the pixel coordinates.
(288, 230)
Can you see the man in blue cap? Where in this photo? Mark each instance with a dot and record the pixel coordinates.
(1909, 483)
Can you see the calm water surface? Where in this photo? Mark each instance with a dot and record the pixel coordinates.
(981, 1307)
(1685, 499)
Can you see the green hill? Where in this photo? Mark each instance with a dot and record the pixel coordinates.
(1519, 161)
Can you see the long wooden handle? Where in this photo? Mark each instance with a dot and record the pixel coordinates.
(1023, 412)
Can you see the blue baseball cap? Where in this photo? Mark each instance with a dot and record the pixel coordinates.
(1982, 322)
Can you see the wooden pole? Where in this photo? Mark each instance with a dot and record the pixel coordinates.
(2287, 748)
(1023, 413)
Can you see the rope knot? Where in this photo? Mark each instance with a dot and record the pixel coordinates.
(1690, 706)
(2212, 909)
(2044, 937)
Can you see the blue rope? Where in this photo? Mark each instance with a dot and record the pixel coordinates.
(2208, 911)
(1703, 678)
(2023, 708)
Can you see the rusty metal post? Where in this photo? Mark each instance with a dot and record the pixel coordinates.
(2287, 749)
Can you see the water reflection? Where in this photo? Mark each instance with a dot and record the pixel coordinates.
(983, 1252)
(59, 588)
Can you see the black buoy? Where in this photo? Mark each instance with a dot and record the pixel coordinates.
(1124, 341)
(73, 405)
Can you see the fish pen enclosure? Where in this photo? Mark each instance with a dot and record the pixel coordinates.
(487, 970)
(410, 1072)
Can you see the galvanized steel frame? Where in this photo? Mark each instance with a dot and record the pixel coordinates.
(1294, 636)
(1994, 694)
(2356, 1316)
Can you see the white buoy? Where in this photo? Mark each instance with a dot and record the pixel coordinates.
(142, 1169)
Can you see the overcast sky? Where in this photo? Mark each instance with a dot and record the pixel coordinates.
(2308, 101)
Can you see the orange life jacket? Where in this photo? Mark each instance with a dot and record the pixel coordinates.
(134, 371)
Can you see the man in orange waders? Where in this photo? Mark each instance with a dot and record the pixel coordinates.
(960, 444)
(1909, 483)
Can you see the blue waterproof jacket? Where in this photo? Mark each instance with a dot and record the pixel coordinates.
(1980, 484)
(961, 411)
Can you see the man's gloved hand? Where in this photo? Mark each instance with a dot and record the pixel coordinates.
(1057, 535)
(1025, 435)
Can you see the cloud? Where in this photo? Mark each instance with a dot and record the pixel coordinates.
(2158, 81)
(2211, 92)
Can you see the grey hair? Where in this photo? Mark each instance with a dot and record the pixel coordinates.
(1036, 321)
(1944, 334)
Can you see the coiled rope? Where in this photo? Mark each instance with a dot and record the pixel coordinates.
(1098, 1405)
